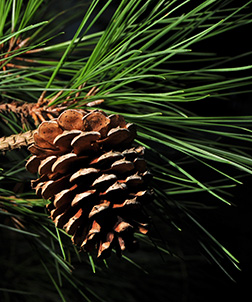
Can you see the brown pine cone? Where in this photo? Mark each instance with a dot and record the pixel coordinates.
(96, 181)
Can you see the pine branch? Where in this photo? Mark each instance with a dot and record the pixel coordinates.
(16, 141)
(142, 63)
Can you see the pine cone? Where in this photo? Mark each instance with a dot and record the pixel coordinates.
(96, 181)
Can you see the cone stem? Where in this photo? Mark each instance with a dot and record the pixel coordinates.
(16, 141)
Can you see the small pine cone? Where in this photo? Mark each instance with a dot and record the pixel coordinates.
(96, 181)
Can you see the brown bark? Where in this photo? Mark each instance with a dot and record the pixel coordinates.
(16, 141)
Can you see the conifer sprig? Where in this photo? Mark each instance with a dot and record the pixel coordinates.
(149, 64)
